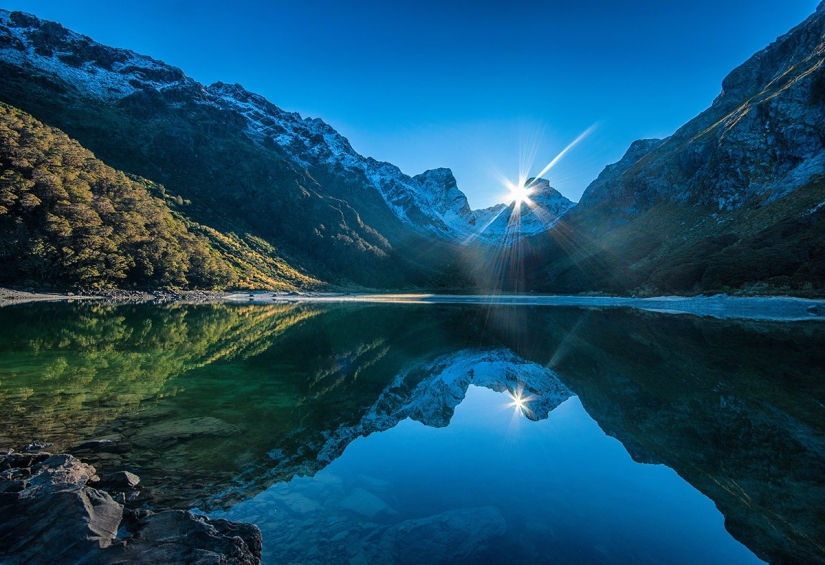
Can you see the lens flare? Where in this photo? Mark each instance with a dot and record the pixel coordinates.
(519, 193)
(564, 151)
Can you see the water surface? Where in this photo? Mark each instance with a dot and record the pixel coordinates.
(383, 433)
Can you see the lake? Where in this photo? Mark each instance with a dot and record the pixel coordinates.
(442, 433)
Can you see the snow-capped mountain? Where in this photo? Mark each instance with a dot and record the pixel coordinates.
(541, 212)
(430, 202)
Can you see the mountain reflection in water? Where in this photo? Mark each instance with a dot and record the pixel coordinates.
(557, 490)
(257, 411)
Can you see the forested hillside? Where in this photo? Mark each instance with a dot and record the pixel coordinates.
(69, 220)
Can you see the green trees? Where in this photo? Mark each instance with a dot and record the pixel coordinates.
(67, 219)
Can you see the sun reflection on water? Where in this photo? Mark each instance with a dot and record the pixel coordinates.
(519, 403)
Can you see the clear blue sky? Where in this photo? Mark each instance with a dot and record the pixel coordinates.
(469, 85)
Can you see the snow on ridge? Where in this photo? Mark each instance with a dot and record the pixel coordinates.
(107, 83)
(326, 145)
(545, 210)
(112, 74)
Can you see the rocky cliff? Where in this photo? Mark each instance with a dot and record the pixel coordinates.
(731, 201)
(761, 139)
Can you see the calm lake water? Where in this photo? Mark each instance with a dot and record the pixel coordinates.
(442, 434)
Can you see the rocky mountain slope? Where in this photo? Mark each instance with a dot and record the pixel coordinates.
(141, 84)
(247, 166)
(732, 199)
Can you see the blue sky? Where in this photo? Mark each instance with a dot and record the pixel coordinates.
(475, 86)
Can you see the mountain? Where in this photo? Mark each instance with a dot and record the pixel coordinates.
(248, 167)
(545, 207)
(204, 145)
(733, 199)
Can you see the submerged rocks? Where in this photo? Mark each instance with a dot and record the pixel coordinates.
(36, 446)
(449, 537)
(174, 431)
(53, 509)
(365, 503)
(330, 519)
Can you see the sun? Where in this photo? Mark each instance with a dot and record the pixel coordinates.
(519, 193)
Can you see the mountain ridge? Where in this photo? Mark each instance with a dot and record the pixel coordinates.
(135, 81)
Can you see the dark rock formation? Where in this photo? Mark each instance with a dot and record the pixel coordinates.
(759, 140)
(51, 513)
(732, 200)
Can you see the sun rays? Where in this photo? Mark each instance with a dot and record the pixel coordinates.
(520, 189)
(507, 264)
(563, 152)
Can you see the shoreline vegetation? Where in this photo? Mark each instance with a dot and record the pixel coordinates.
(786, 308)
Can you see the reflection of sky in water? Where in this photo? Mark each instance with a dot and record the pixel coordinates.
(567, 492)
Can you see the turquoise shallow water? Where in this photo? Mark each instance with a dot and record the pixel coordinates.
(388, 433)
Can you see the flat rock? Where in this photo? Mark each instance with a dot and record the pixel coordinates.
(299, 503)
(364, 503)
(61, 469)
(118, 480)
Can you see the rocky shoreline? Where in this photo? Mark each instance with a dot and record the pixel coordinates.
(786, 308)
(56, 509)
(10, 296)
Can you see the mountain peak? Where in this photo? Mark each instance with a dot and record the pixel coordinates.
(542, 194)
(441, 175)
(758, 141)
(440, 190)
(545, 207)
